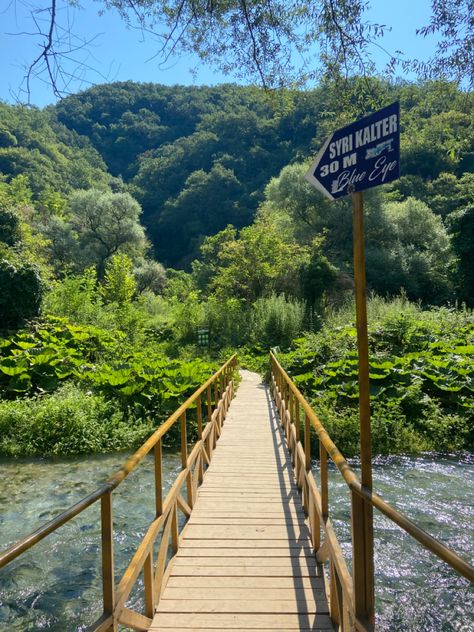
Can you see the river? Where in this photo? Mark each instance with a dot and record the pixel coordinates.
(57, 586)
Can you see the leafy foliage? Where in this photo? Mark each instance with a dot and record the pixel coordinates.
(21, 293)
(122, 330)
(69, 421)
(461, 224)
(421, 376)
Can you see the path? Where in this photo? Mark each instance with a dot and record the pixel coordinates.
(245, 561)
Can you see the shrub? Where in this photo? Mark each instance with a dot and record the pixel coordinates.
(70, 421)
(21, 291)
(276, 320)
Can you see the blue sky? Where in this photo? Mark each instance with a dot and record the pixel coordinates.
(119, 54)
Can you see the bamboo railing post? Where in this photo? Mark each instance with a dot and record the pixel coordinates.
(362, 548)
(333, 596)
(289, 434)
(184, 442)
(158, 478)
(107, 536)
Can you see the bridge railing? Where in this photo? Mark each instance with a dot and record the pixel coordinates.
(347, 594)
(211, 401)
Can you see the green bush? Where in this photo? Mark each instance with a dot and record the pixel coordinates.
(21, 290)
(276, 320)
(421, 377)
(70, 421)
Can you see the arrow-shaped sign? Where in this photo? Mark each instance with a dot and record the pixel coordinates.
(360, 156)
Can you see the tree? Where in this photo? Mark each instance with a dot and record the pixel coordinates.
(257, 263)
(119, 283)
(9, 227)
(413, 252)
(106, 224)
(454, 56)
(21, 291)
(149, 275)
(275, 43)
(255, 40)
(317, 275)
(205, 204)
(461, 226)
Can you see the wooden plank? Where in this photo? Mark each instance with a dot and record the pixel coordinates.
(244, 505)
(236, 520)
(243, 571)
(134, 620)
(196, 621)
(243, 544)
(285, 552)
(289, 584)
(248, 594)
(262, 606)
(250, 562)
(245, 532)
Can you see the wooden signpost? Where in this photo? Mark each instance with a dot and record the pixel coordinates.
(360, 156)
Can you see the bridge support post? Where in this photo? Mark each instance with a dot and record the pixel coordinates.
(108, 581)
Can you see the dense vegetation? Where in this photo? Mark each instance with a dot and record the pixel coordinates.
(99, 193)
(421, 376)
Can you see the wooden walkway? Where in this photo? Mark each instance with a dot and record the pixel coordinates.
(245, 560)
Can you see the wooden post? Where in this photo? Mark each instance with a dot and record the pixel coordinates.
(216, 394)
(184, 460)
(184, 442)
(307, 442)
(362, 513)
(199, 417)
(149, 586)
(108, 581)
(297, 420)
(209, 404)
(158, 478)
(323, 468)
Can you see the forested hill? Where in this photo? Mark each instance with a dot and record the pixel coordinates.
(97, 338)
(196, 158)
(199, 158)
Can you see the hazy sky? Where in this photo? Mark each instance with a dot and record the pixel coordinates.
(120, 54)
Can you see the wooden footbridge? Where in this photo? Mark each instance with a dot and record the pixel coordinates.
(256, 550)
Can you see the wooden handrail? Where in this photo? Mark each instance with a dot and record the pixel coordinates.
(114, 600)
(450, 557)
(282, 383)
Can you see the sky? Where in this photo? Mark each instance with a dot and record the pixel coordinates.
(116, 53)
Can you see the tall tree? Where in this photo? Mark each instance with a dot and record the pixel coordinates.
(275, 43)
(105, 224)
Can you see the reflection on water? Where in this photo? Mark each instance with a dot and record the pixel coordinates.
(415, 591)
(57, 586)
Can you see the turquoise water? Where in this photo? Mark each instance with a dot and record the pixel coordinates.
(57, 586)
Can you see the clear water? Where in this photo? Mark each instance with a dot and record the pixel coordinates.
(57, 586)
(415, 591)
